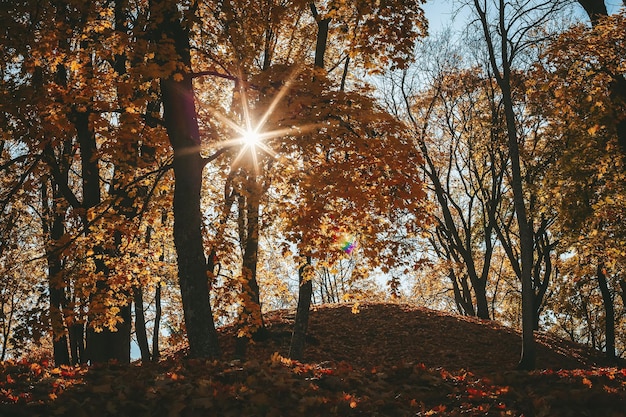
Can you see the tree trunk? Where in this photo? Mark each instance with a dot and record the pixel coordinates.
(140, 325)
(298, 337)
(609, 311)
(56, 284)
(480, 291)
(179, 112)
(503, 78)
(596, 9)
(252, 316)
(157, 324)
(305, 291)
(107, 344)
(527, 360)
(77, 343)
(179, 115)
(463, 299)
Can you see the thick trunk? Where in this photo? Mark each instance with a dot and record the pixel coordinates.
(298, 337)
(107, 344)
(595, 9)
(182, 129)
(609, 311)
(480, 292)
(179, 116)
(77, 343)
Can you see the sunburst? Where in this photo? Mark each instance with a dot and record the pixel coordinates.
(250, 138)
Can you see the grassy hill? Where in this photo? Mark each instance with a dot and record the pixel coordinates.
(387, 360)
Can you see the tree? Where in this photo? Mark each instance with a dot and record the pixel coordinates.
(465, 172)
(584, 63)
(74, 109)
(597, 12)
(506, 37)
(179, 117)
(274, 69)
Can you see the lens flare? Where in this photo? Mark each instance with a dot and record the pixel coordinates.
(347, 243)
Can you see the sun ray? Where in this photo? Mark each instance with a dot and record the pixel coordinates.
(281, 93)
(250, 138)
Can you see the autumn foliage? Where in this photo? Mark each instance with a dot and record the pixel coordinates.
(479, 173)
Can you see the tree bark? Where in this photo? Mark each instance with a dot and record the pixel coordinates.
(596, 9)
(56, 286)
(107, 344)
(249, 235)
(157, 324)
(140, 325)
(77, 343)
(541, 278)
(609, 311)
(179, 116)
(298, 337)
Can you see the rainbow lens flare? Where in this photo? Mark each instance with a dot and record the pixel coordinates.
(347, 243)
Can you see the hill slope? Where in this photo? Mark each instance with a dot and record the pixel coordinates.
(387, 360)
(383, 334)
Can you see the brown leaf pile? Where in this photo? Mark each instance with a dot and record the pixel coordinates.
(387, 360)
(383, 334)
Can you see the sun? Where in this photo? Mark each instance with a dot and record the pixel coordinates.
(251, 139)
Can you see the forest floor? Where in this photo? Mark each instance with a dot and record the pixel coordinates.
(385, 360)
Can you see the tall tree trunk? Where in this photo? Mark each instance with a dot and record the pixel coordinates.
(298, 337)
(503, 78)
(179, 114)
(253, 317)
(527, 360)
(56, 284)
(107, 344)
(305, 292)
(609, 311)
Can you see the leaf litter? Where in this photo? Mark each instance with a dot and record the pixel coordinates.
(386, 360)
